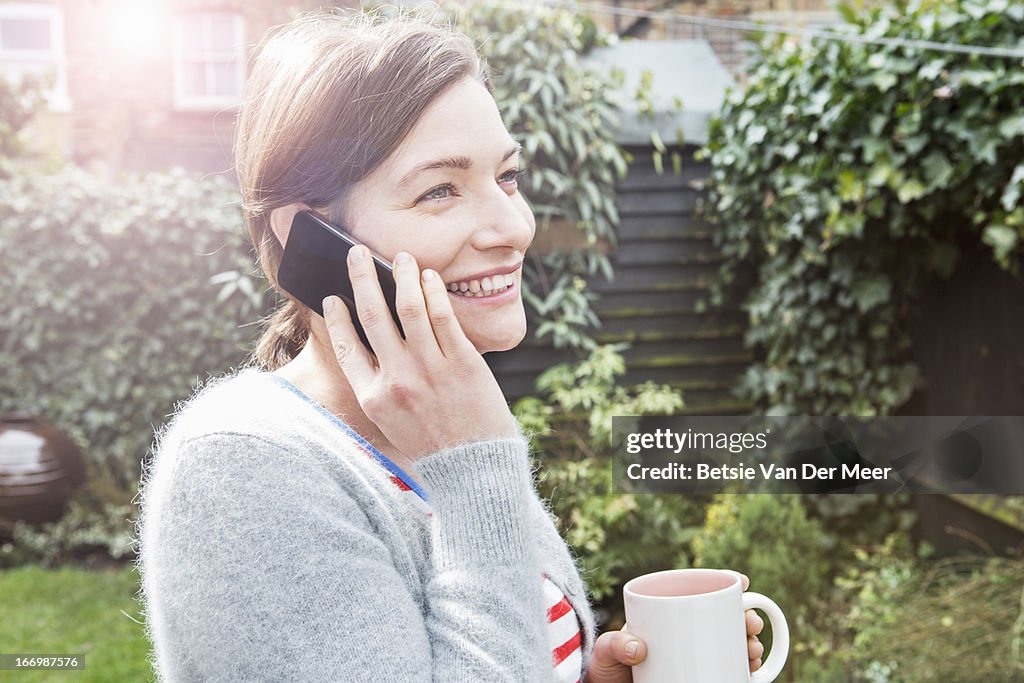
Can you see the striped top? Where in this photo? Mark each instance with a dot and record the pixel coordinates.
(564, 634)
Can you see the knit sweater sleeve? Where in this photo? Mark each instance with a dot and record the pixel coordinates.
(257, 564)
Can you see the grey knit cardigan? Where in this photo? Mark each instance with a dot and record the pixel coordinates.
(273, 548)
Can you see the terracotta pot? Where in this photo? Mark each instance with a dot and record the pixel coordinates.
(40, 468)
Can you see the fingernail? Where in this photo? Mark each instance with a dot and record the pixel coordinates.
(355, 254)
(328, 304)
(631, 648)
(401, 257)
(428, 275)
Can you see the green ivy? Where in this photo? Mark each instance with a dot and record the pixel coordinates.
(845, 175)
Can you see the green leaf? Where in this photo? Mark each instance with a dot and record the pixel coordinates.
(937, 170)
(1002, 238)
(847, 12)
(879, 174)
(1012, 193)
(884, 80)
(851, 187)
(915, 144)
(910, 190)
(1012, 127)
(870, 291)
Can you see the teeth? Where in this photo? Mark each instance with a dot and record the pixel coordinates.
(484, 286)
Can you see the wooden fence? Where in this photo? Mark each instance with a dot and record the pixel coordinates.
(664, 262)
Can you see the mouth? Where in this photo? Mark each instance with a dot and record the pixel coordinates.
(487, 286)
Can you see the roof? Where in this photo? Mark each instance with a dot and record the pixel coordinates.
(685, 69)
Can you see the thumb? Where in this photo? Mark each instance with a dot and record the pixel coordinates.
(617, 650)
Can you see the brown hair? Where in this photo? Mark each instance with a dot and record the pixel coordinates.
(329, 97)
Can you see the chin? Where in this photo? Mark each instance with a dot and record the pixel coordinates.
(491, 343)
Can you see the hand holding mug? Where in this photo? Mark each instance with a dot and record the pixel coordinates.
(615, 652)
(696, 623)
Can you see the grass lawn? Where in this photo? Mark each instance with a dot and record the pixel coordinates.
(74, 611)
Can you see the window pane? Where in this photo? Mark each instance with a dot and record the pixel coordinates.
(193, 78)
(225, 79)
(191, 35)
(25, 34)
(222, 33)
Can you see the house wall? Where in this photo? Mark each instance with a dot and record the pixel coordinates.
(122, 114)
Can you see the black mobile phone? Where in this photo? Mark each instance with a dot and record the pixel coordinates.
(315, 265)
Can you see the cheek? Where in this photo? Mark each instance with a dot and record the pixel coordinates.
(431, 248)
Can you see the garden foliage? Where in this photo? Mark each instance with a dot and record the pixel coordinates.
(116, 304)
(616, 536)
(846, 175)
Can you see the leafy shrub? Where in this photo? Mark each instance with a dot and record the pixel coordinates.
(616, 536)
(89, 530)
(846, 175)
(771, 539)
(114, 305)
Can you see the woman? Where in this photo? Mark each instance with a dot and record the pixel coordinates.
(332, 514)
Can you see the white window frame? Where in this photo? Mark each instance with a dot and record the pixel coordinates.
(57, 97)
(189, 102)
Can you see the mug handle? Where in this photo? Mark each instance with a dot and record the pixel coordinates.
(772, 666)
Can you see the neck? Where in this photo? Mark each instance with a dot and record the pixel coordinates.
(315, 371)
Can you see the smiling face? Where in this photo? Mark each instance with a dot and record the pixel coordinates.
(449, 196)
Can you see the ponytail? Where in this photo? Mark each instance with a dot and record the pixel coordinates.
(285, 333)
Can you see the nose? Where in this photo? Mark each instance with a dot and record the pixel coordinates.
(503, 220)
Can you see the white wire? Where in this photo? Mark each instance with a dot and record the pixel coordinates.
(735, 24)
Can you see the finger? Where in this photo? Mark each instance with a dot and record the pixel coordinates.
(353, 357)
(411, 307)
(755, 623)
(371, 308)
(746, 581)
(619, 648)
(754, 648)
(447, 330)
(755, 664)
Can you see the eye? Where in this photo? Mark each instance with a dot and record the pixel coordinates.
(513, 175)
(440, 192)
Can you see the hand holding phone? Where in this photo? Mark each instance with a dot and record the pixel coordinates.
(315, 265)
(429, 389)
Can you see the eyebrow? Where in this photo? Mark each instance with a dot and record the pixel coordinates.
(459, 162)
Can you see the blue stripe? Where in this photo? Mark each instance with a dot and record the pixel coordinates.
(384, 460)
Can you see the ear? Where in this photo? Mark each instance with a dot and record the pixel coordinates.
(281, 220)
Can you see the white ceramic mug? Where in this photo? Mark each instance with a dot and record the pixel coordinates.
(693, 622)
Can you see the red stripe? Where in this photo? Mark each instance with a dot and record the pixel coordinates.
(401, 484)
(566, 648)
(558, 610)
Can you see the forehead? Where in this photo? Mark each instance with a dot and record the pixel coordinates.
(463, 120)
